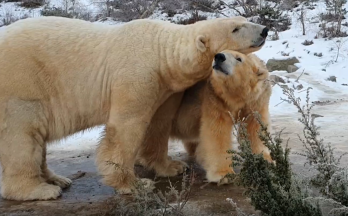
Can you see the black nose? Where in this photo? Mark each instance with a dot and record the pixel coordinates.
(264, 32)
(219, 58)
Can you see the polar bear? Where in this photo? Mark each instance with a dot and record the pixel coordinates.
(237, 86)
(60, 76)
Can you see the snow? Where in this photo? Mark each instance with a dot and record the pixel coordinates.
(315, 70)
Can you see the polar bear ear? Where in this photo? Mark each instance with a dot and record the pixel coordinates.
(201, 43)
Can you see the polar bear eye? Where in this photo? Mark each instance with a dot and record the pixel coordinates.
(235, 30)
(239, 59)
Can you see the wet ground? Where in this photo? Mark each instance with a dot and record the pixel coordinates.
(88, 196)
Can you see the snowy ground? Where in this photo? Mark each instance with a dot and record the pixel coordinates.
(315, 72)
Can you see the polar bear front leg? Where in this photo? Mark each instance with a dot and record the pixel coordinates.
(22, 147)
(130, 114)
(253, 127)
(215, 138)
(116, 155)
(153, 153)
(50, 176)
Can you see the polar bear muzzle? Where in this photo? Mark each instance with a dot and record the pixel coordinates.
(226, 67)
(261, 40)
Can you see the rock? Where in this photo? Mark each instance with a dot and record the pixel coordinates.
(280, 64)
(276, 79)
(284, 87)
(292, 68)
(332, 79)
(299, 87)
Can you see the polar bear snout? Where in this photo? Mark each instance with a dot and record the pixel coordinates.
(261, 36)
(219, 63)
(226, 62)
(264, 32)
(220, 57)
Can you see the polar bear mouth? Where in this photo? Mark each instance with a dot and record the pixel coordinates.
(219, 68)
(260, 44)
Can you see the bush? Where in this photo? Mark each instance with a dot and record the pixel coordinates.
(53, 11)
(32, 3)
(331, 31)
(288, 4)
(8, 16)
(272, 187)
(77, 13)
(124, 10)
(273, 18)
(146, 202)
(307, 42)
(10, 0)
(318, 54)
(172, 7)
(202, 5)
(195, 17)
(246, 8)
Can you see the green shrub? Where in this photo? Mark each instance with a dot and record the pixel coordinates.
(273, 188)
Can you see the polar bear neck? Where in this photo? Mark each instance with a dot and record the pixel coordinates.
(166, 48)
(183, 62)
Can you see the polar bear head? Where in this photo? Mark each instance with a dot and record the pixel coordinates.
(238, 75)
(235, 33)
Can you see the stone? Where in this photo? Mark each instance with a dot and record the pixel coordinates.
(280, 64)
(332, 79)
(276, 79)
(292, 68)
(299, 87)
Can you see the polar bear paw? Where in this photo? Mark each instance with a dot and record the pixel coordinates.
(45, 191)
(171, 168)
(142, 183)
(60, 181)
(220, 177)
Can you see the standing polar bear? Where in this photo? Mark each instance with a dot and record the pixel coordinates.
(60, 76)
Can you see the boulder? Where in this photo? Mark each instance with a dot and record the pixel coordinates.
(276, 79)
(292, 68)
(280, 64)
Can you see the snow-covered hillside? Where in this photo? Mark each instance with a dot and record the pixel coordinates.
(314, 68)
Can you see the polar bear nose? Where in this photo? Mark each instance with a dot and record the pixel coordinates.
(264, 32)
(219, 58)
